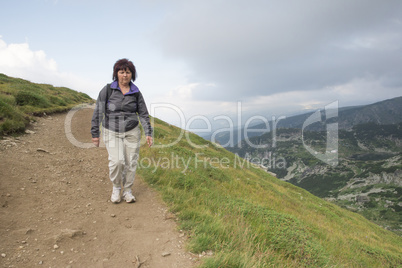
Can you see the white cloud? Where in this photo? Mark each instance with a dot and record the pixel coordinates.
(18, 60)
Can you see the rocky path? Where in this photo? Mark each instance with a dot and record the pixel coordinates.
(55, 209)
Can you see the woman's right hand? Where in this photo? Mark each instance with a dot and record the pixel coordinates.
(95, 141)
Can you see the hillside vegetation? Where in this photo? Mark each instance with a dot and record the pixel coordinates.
(367, 178)
(21, 99)
(241, 216)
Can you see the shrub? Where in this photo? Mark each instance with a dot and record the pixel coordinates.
(31, 98)
(57, 101)
(11, 126)
(11, 119)
(10, 99)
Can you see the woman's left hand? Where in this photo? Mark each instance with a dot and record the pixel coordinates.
(95, 141)
(149, 141)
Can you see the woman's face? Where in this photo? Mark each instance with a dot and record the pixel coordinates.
(124, 76)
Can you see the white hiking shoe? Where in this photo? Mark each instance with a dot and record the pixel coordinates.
(128, 197)
(115, 198)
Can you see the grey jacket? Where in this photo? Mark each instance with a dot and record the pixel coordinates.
(120, 112)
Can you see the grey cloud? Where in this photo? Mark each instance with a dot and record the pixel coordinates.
(252, 48)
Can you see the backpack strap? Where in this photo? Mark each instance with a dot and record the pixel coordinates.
(108, 93)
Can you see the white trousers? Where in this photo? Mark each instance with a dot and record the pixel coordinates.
(123, 149)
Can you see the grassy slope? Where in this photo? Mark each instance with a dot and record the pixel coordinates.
(251, 219)
(20, 99)
(366, 151)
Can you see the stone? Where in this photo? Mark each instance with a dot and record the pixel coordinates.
(165, 254)
(362, 199)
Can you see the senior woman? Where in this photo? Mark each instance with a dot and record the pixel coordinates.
(118, 107)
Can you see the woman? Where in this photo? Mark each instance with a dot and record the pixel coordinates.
(118, 106)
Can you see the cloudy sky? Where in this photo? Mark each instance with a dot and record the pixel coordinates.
(203, 58)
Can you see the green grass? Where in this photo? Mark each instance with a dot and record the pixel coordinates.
(380, 156)
(248, 218)
(21, 99)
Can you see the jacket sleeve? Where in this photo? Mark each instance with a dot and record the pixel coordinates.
(144, 116)
(99, 113)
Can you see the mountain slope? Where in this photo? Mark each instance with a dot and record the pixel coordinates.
(21, 99)
(367, 178)
(381, 113)
(248, 218)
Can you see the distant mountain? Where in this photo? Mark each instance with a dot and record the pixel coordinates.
(383, 112)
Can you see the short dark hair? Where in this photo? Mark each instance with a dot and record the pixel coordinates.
(124, 64)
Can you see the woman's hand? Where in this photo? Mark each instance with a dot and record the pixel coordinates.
(149, 141)
(95, 141)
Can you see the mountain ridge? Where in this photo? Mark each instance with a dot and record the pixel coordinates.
(383, 112)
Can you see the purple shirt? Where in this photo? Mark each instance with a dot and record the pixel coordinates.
(133, 88)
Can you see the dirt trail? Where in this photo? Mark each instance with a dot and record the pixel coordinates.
(55, 208)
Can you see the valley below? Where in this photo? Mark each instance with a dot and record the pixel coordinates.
(367, 178)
